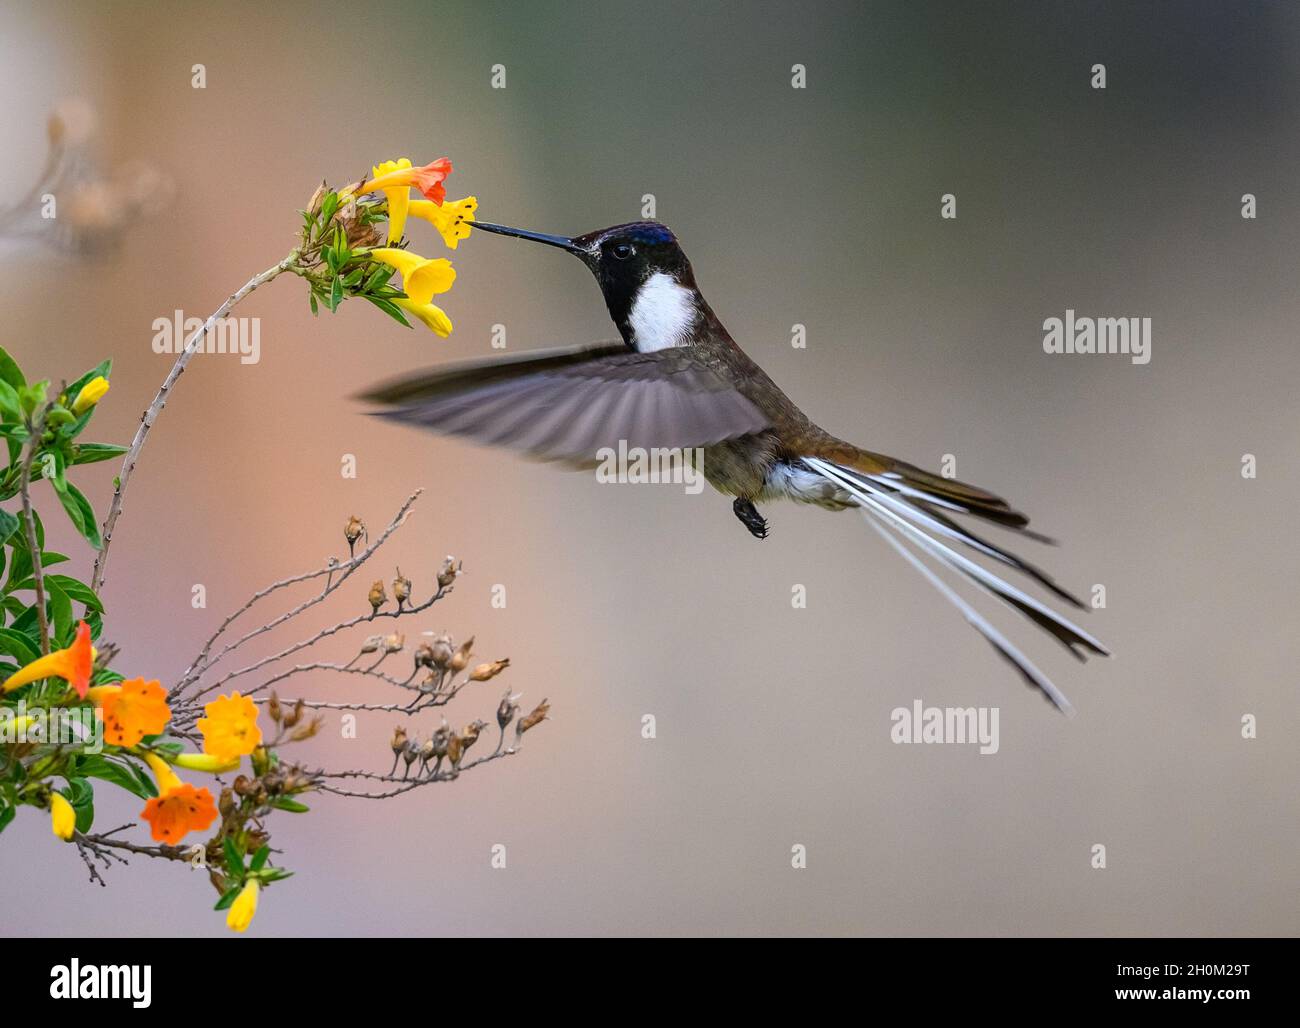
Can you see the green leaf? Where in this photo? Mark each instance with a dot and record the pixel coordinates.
(81, 514)
(391, 309)
(18, 645)
(9, 402)
(336, 293)
(234, 858)
(293, 806)
(124, 776)
(81, 794)
(8, 526)
(259, 858)
(7, 814)
(228, 897)
(60, 614)
(76, 590)
(9, 370)
(93, 453)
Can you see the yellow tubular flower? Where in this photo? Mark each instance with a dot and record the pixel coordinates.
(90, 394)
(452, 219)
(398, 196)
(241, 912)
(167, 778)
(421, 278)
(435, 317)
(206, 762)
(63, 819)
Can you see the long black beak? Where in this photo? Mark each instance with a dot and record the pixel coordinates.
(537, 237)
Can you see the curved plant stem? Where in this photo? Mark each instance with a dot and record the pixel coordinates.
(29, 526)
(192, 346)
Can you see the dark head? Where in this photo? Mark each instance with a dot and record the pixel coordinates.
(647, 281)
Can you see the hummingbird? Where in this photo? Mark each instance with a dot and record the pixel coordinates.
(675, 379)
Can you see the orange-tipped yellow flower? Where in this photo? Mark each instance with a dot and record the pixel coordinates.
(73, 664)
(452, 219)
(427, 179)
(132, 710)
(435, 317)
(230, 729)
(398, 193)
(178, 809)
(90, 394)
(63, 819)
(422, 278)
(240, 914)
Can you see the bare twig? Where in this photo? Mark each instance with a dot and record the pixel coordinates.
(201, 663)
(192, 346)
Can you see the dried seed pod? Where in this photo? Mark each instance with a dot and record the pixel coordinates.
(401, 589)
(442, 651)
(394, 642)
(507, 709)
(449, 571)
(377, 597)
(533, 718)
(460, 659)
(352, 531)
(484, 672)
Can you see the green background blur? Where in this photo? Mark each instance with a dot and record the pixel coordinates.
(819, 207)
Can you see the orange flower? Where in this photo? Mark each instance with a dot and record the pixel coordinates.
(73, 664)
(179, 808)
(428, 180)
(230, 729)
(132, 710)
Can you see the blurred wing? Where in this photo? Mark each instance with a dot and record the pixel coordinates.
(566, 405)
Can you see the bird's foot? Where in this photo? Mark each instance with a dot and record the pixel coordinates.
(750, 517)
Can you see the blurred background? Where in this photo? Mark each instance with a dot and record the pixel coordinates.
(817, 206)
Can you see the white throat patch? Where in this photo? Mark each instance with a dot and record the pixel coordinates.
(662, 315)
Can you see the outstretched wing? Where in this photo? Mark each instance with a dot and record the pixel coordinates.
(566, 405)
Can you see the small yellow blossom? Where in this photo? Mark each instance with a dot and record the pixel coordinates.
(435, 317)
(63, 819)
(241, 912)
(90, 394)
(398, 195)
(452, 219)
(230, 729)
(422, 278)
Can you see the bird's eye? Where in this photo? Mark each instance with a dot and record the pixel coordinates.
(622, 251)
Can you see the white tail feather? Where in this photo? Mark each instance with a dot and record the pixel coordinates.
(902, 517)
